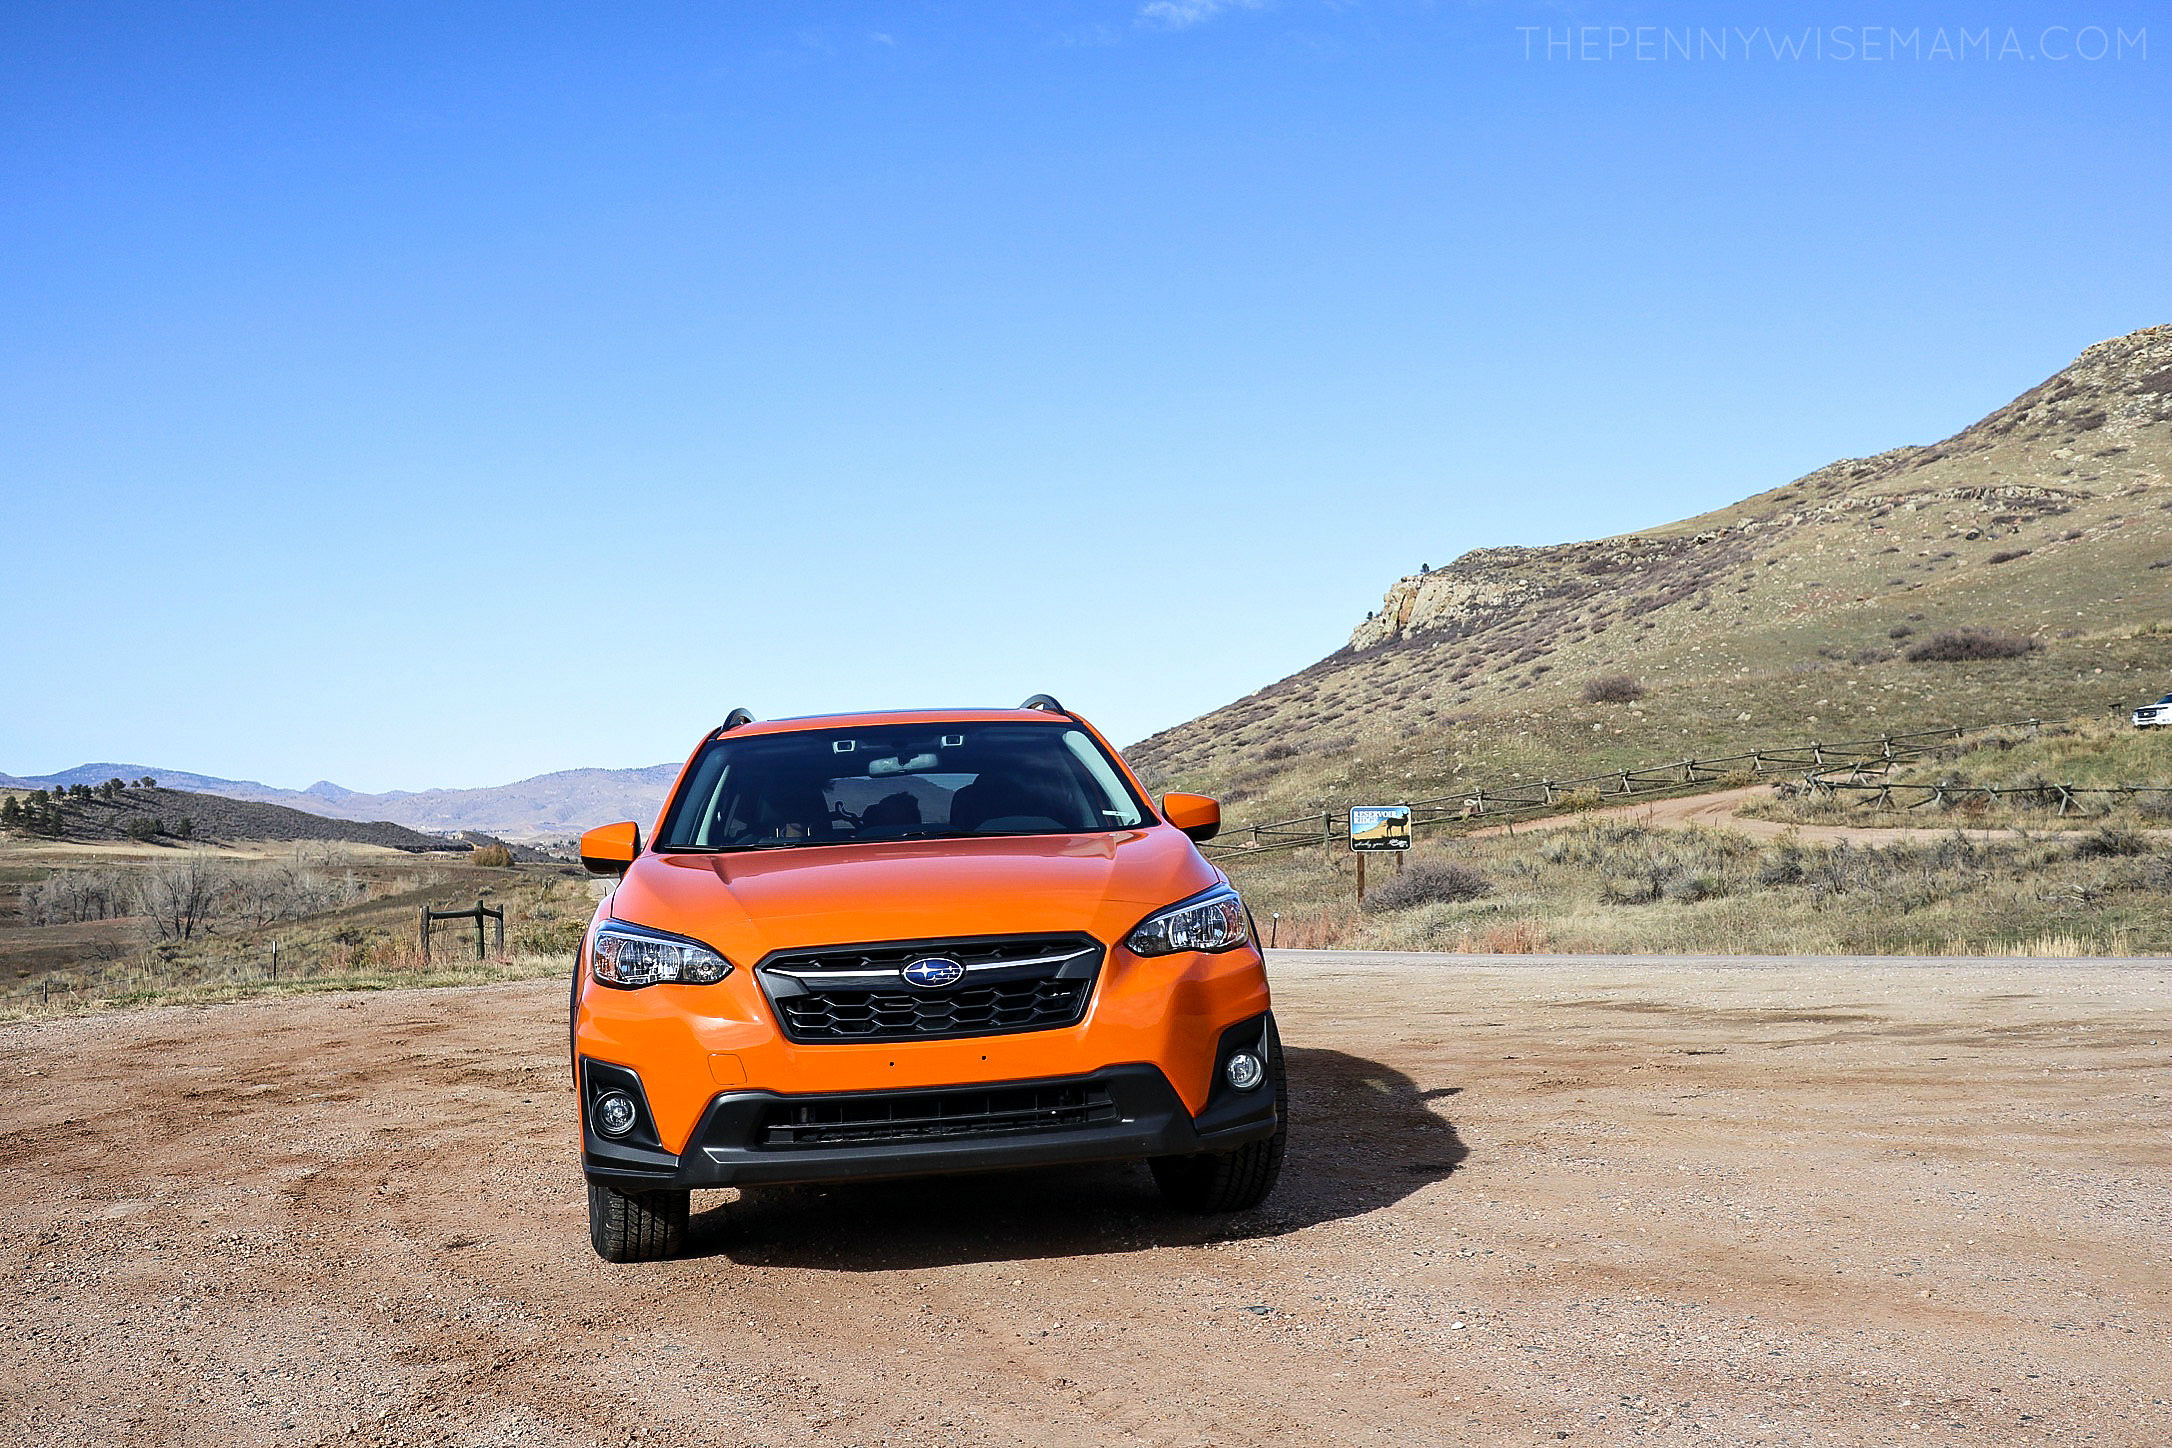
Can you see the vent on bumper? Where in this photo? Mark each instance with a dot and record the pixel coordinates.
(864, 992)
(935, 1115)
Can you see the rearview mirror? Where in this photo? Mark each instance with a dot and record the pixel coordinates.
(610, 849)
(1195, 814)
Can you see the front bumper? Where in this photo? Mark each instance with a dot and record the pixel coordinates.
(769, 1138)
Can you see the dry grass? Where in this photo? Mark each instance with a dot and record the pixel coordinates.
(2083, 753)
(366, 937)
(148, 981)
(1624, 889)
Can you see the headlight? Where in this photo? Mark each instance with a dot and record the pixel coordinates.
(1213, 921)
(629, 955)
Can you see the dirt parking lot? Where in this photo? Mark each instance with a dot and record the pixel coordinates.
(1527, 1200)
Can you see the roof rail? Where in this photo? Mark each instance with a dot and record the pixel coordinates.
(1045, 701)
(734, 719)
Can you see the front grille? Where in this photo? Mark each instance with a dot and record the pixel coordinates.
(860, 992)
(933, 1115)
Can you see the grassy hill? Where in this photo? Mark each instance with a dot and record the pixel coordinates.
(174, 816)
(2045, 529)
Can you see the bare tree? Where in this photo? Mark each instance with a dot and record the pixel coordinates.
(274, 890)
(182, 896)
(323, 854)
(76, 895)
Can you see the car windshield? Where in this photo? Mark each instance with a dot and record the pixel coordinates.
(898, 782)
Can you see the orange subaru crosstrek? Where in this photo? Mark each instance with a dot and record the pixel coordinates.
(883, 945)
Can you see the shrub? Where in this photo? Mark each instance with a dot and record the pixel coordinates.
(1782, 865)
(2106, 842)
(1629, 889)
(1688, 889)
(144, 827)
(1434, 882)
(2007, 556)
(1899, 631)
(496, 857)
(550, 937)
(1967, 645)
(1612, 689)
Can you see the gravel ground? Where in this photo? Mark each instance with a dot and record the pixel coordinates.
(1601, 1200)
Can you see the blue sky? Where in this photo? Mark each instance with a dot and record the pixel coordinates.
(426, 395)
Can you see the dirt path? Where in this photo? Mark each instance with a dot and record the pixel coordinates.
(1717, 810)
(1527, 1201)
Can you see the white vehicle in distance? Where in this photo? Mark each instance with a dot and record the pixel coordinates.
(2157, 715)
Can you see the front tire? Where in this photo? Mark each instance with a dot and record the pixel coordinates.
(636, 1226)
(1235, 1180)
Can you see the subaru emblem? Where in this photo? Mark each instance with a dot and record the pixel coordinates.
(934, 973)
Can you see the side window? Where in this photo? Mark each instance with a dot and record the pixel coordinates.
(1118, 809)
(695, 820)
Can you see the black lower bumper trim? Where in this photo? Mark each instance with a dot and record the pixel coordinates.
(1120, 1113)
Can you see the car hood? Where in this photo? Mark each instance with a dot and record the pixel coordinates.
(750, 903)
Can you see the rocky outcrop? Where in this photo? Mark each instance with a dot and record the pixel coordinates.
(1461, 595)
(2087, 411)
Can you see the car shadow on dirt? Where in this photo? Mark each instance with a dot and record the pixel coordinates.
(1362, 1136)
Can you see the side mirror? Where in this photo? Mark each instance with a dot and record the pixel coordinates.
(1195, 814)
(610, 849)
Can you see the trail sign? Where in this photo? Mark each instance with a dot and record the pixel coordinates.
(1380, 827)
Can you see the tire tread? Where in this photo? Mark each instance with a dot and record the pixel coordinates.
(636, 1226)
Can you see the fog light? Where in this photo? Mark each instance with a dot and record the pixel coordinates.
(614, 1113)
(1245, 1071)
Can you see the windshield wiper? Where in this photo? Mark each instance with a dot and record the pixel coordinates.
(748, 845)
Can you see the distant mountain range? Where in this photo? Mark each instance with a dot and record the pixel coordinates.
(547, 807)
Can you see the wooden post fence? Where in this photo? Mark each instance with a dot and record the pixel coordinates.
(479, 914)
